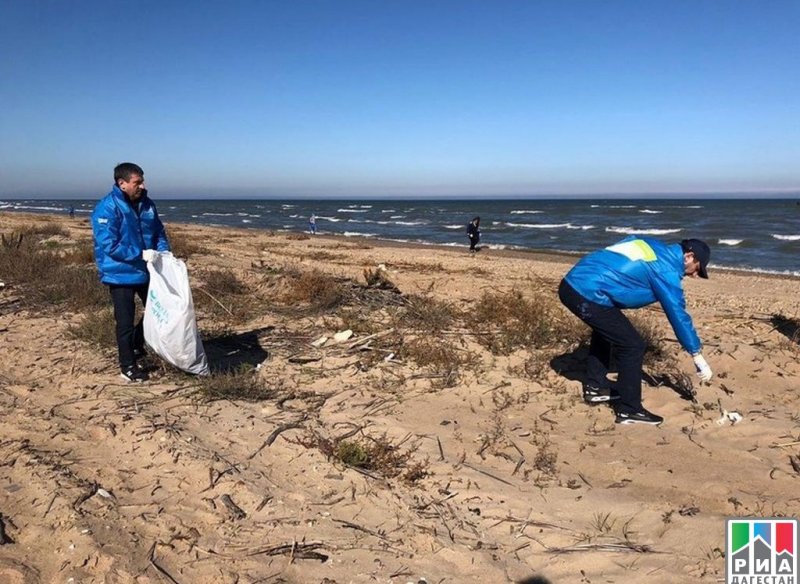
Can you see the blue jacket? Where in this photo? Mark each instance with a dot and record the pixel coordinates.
(121, 233)
(636, 272)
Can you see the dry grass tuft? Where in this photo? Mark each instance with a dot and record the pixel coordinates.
(97, 329)
(242, 383)
(45, 277)
(298, 236)
(378, 279)
(320, 291)
(426, 313)
(372, 454)
(510, 321)
(439, 356)
(182, 245)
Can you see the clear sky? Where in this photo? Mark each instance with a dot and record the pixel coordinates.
(400, 97)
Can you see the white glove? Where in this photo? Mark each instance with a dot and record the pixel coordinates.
(149, 255)
(703, 370)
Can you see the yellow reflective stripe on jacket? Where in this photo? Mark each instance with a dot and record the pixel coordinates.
(637, 249)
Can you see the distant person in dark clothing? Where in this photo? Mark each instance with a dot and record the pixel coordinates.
(474, 233)
(71, 212)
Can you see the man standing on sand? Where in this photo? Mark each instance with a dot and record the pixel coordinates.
(312, 224)
(474, 233)
(630, 274)
(127, 233)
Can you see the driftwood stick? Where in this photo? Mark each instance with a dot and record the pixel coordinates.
(274, 435)
(158, 568)
(488, 474)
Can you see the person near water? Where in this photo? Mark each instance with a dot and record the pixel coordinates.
(312, 224)
(71, 212)
(127, 234)
(474, 233)
(633, 273)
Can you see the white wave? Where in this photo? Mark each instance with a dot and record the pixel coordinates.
(539, 225)
(388, 211)
(409, 223)
(650, 211)
(354, 234)
(641, 231)
(218, 214)
(351, 210)
(295, 216)
(786, 237)
(247, 220)
(550, 226)
(453, 226)
(35, 208)
(730, 241)
(397, 217)
(332, 219)
(525, 212)
(288, 206)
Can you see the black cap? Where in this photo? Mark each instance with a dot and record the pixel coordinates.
(701, 251)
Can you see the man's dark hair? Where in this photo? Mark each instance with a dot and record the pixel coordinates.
(124, 171)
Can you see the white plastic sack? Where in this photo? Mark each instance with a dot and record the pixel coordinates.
(169, 324)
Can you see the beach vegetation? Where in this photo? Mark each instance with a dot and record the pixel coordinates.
(96, 328)
(377, 455)
(241, 383)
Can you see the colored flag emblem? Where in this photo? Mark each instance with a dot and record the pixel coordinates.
(761, 551)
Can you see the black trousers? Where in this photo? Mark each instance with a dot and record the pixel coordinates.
(129, 337)
(611, 330)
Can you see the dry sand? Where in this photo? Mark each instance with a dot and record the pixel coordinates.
(106, 482)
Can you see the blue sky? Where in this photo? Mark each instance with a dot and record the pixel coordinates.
(383, 97)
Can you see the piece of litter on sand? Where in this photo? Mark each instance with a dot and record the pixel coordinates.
(103, 493)
(732, 417)
(319, 342)
(342, 336)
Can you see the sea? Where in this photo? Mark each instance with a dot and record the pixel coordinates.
(759, 235)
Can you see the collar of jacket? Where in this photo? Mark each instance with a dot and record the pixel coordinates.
(122, 198)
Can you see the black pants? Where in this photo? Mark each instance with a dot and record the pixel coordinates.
(129, 337)
(473, 241)
(610, 329)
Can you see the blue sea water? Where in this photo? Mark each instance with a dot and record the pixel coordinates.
(750, 234)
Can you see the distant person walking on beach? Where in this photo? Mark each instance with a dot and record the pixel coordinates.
(127, 233)
(312, 224)
(71, 212)
(630, 274)
(474, 233)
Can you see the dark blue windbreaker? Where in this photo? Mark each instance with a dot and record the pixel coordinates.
(636, 272)
(121, 234)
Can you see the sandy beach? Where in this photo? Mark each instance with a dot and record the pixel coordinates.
(444, 441)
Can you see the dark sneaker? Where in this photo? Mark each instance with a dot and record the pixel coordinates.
(640, 417)
(133, 374)
(598, 395)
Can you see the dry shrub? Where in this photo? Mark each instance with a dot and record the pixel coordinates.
(437, 355)
(182, 245)
(97, 329)
(225, 297)
(426, 313)
(319, 290)
(46, 278)
(537, 365)
(373, 454)
(44, 229)
(242, 383)
(509, 321)
(81, 253)
(298, 236)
